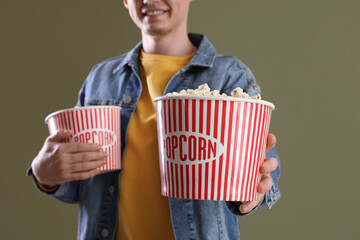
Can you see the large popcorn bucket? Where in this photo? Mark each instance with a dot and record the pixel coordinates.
(94, 124)
(211, 148)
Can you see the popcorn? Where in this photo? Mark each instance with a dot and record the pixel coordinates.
(182, 92)
(183, 141)
(238, 92)
(215, 93)
(257, 97)
(204, 87)
(204, 90)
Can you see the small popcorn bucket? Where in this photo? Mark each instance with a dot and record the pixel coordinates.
(93, 124)
(211, 148)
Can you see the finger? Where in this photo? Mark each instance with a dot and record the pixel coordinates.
(271, 142)
(248, 206)
(87, 166)
(269, 165)
(81, 147)
(84, 175)
(265, 184)
(87, 156)
(60, 135)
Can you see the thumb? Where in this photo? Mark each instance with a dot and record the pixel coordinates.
(60, 135)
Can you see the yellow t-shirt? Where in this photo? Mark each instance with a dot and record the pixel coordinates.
(143, 212)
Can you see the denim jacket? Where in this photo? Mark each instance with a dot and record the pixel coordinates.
(117, 82)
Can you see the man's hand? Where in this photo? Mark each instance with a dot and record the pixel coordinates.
(269, 165)
(59, 162)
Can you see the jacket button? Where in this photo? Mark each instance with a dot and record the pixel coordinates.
(127, 99)
(111, 189)
(104, 233)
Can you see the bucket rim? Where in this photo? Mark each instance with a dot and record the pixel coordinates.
(78, 108)
(263, 102)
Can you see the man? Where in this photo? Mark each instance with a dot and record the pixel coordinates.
(127, 204)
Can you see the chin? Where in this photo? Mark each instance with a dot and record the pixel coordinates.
(156, 32)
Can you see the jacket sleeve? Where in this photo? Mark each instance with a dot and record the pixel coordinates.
(240, 75)
(67, 192)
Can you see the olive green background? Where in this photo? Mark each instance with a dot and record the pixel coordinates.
(304, 54)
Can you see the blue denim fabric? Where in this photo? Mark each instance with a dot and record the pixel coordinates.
(117, 82)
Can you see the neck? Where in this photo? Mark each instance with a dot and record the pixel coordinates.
(170, 45)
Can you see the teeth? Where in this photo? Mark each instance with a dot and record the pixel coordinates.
(154, 12)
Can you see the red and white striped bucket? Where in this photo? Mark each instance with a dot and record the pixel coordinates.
(211, 148)
(93, 124)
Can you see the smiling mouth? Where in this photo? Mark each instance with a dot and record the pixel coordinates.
(152, 13)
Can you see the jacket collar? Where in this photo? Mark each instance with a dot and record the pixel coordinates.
(204, 55)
